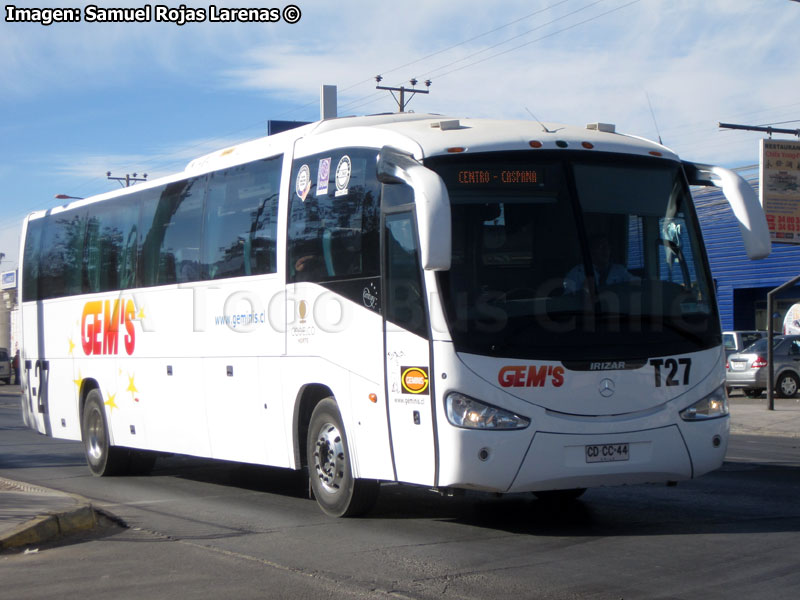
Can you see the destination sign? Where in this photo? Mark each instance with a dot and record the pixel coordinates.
(477, 177)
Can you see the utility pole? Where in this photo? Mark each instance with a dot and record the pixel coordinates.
(402, 102)
(765, 129)
(128, 179)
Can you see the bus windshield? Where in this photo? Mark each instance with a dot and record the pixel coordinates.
(574, 256)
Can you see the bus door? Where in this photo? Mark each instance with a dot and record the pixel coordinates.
(409, 392)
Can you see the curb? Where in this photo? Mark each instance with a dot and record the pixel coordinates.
(61, 521)
(49, 527)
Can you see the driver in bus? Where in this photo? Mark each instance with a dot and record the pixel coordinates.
(605, 271)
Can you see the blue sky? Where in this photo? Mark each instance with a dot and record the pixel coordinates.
(80, 99)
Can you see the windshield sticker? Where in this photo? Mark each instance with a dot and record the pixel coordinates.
(323, 174)
(343, 171)
(303, 183)
(530, 376)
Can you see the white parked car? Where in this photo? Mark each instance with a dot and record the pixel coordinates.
(736, 341)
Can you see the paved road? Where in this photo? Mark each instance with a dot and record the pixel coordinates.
(203, 529)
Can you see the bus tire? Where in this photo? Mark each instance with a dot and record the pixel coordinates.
(103, 458)
(335, 489)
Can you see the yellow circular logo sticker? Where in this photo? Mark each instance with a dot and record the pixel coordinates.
(415, 380)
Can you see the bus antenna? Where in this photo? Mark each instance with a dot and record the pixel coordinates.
(653, 115)
(545, 129)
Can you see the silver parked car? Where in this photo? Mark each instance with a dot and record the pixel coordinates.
(747, 370)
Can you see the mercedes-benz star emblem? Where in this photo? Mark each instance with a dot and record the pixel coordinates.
(606, 388)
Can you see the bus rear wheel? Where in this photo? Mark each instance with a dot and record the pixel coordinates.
(335, 489)
(103, 458)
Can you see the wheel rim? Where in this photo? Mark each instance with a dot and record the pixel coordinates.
(788, 386)
(96, 436)
(329, 457)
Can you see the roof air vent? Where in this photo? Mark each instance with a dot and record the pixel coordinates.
(605, 127)
(446, 125)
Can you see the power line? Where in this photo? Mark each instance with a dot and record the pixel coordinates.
(537, 28)
(573, 26)
(356, 103)
(435, 72)
(472, 39)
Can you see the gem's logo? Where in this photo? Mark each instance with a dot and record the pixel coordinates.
(100, 326)
(415, 380)
(530, 376)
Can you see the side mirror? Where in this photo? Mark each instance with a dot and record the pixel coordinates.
(743, 200)
(431, 200)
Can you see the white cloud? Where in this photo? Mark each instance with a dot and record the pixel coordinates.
(698, 62)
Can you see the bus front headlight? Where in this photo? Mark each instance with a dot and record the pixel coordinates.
(463, 411)
(711, 407)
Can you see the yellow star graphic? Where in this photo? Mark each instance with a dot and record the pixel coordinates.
(78, 381)
(141, 316)
(71, 346)
(131, 386)
(110, 403)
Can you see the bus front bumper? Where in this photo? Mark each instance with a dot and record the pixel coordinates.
(564, 461)
(554, 461)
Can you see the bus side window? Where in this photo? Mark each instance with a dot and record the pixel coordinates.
(171, 249)
(30, 262)
(405, 300)
(396, 194)
(110, 252)
(241, 220)
(334, 231)
(61, 264)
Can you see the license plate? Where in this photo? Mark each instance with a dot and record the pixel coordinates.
(738, 365)
(607, 453)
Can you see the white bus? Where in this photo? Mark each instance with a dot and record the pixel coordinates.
(394, 298)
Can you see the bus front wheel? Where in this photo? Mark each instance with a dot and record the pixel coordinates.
(335, 489)
(102, 458)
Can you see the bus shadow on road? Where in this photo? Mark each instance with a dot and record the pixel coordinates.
(752, 500)
(257, 478)
(739, 499)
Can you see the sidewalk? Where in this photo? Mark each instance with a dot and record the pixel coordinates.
(751, 417)
(32, 515)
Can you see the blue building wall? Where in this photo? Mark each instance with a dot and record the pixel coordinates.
(742, 284)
